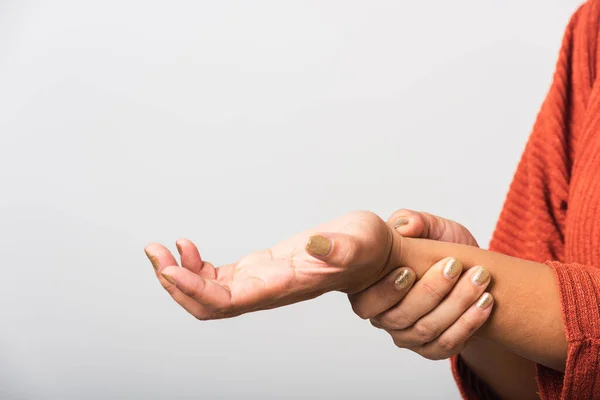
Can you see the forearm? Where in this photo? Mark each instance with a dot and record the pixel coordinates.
(510, 376)
(527, 317)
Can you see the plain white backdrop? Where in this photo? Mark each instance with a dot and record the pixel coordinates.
(238, 124)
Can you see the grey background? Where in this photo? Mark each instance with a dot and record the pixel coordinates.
(237, 124)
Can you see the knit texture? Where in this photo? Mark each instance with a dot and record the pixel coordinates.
(552, 210)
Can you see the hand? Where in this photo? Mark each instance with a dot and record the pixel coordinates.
(426, 319)
(427, 226)
(348, 254)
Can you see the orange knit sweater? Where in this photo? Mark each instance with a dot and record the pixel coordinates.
(552, 210)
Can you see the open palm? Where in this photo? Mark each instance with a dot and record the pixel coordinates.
(357, 246)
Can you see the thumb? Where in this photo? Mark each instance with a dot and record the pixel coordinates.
(410, 223)
(428, 226)
(337, 249)
(343, 252)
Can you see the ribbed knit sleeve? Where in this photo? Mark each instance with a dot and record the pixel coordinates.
(552, 208)
(579, 288)
(471, 387)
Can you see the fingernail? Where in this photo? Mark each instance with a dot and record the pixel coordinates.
(152, 259)
(404, 279)
(453, 268)
(481, 276)
(484, 301)
(169, 278)
(318, 245)
(178, 248)
(400, 222)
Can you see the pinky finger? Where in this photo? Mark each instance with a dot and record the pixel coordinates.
(453, 340)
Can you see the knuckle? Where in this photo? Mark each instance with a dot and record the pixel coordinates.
(171, 289)
(376, 323)
(467, 326)
(425, 331)
(448, 347)
(402, 321)
(398, 319)
(465, 297)
(360, 310)
(433, 293)
(397, 342)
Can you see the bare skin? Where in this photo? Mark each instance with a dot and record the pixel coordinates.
(283, 274)
(364, 249)
(509, 375)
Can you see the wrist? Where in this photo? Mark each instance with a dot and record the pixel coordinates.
(409, 252)
(398, 246)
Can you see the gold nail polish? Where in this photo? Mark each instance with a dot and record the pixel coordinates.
(485, 301)
(318, 245)
(453, 268)
(481, 276)
(404, 279)
(152, 259)
(400, 222)
(178, 248)
(169, 278)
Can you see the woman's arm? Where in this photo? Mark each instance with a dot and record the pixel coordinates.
(510, 376)
(527, 319)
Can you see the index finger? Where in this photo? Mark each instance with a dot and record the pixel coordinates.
(384, 294)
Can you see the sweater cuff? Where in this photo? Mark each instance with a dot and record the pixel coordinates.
(460, 376)
(579, 289)
(470, 386)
